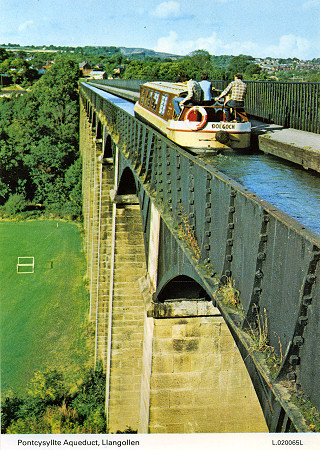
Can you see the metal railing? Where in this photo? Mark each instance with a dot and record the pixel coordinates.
(290, 104)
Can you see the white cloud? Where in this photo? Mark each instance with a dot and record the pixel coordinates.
(213, 44)
(167, 10)
(168, 44)
(25, 25)
(289, 46)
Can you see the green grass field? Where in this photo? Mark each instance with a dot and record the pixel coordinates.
(43, 314)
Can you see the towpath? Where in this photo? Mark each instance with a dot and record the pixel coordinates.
(300, 147)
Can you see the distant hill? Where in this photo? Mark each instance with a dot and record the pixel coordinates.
(127, 51)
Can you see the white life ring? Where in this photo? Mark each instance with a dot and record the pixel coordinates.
(197, 125)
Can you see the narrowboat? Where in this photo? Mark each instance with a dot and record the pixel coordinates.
(199, 128)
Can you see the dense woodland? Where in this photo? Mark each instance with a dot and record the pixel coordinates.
(195, 65)
(40, 162)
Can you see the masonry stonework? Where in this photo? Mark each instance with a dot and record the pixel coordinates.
(127, 321)
(199, 383)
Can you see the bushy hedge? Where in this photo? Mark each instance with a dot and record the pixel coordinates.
(49, 407)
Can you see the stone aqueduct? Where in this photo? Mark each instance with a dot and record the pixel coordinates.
(162, 233)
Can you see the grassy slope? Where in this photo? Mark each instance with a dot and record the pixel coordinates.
(43, 315)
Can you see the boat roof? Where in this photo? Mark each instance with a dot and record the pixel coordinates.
(174, 88)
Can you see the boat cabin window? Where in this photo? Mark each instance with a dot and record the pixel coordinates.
(142, 96)
(155, 99)
(163, 104)
(148, 99)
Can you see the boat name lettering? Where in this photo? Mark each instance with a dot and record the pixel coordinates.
(224, 126)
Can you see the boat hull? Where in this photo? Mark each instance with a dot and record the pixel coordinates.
(235, 135)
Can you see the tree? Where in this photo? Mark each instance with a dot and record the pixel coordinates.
(10, 408)
(218, 74)
(3, 54)
(60, 81)
(90, 399)
(251, 70)
(238, 64)
(315, 77)
(199, 63)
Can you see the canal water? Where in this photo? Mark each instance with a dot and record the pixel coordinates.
(123, 104)
(293, 190)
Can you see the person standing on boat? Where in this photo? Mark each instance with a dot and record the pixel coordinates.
(206, 87)
(238, 92)
(194, 96)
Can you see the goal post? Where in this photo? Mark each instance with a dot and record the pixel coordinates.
(25, 264)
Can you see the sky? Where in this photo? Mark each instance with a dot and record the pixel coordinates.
(260, 28)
